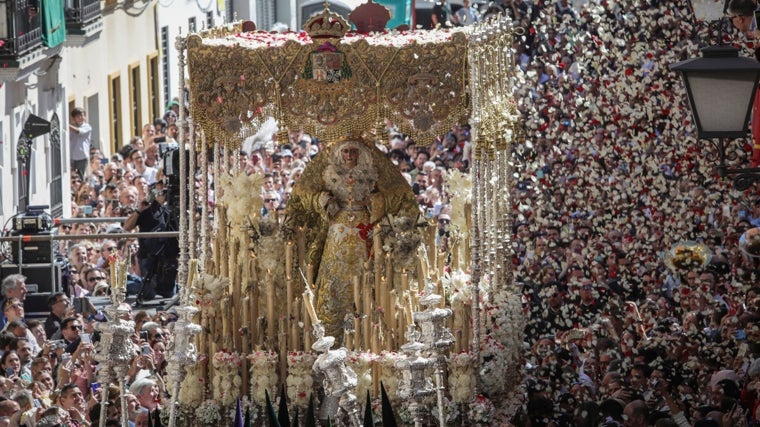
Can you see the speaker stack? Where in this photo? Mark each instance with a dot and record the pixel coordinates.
(34, 259)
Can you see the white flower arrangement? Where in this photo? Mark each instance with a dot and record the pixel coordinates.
(227, 380)
(461, 377)
(457, 284)
(501, 346)
(263, 375)
(450, 411)
(183, 416)
(361, 364)
(300, 382)
(480, 411)
(494, 368)
(193, 387)
(208, 413)
(405, 415)
(240, 201)
(401, 238)
(390, 375)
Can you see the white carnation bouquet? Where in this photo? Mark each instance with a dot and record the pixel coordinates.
(390, 375)
(461, 377)
(207, 413)
(480, 411)
(263, 375)
(227, 379)
(300, 381)
(193, 387)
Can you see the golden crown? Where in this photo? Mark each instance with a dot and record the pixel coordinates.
(326, 25)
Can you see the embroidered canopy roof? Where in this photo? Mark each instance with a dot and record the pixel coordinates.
(332, 82)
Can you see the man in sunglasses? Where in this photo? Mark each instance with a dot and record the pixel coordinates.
(71, 330)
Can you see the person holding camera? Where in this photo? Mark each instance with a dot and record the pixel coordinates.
(157, 256)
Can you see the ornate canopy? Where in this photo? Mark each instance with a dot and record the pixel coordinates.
(329, 81)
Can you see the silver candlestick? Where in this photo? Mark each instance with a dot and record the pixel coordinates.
(436, 337)
(115, 350)
(415, 385)
(181, 351)
(338, 380)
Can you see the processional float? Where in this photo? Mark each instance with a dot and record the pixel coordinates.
(437, 325)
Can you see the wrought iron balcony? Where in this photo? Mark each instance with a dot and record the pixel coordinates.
(80, 14)
(21, 32)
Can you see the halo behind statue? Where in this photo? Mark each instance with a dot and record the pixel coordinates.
(749, 242)
(688, 255)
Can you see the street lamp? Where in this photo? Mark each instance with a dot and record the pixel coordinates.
(721, 89)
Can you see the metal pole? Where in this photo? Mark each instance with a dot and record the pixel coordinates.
(57, 237)
(103, 406)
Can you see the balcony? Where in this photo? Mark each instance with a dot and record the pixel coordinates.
(83, 18)
(20, 32)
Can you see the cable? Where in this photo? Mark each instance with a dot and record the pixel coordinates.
(5, 226)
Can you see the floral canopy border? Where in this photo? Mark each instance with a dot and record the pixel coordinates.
(417, 80)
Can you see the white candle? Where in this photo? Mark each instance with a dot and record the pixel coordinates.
(309, 304)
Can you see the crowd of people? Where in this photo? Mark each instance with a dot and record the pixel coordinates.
(611, 180)
(610, 177)
(49, 377)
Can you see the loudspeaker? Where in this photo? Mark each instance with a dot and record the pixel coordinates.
(40, 278)
(41, 281)
(32, 252)
(36, 307)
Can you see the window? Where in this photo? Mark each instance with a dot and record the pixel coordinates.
(114, 110)
(154, 103)
(165, 52)
(210, 19)
(135, 100)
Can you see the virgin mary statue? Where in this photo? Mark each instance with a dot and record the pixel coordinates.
(344, 192)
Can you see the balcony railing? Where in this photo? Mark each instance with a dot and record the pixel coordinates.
(81, 12)
(22, 31)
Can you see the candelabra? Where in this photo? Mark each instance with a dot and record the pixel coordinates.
(338, 380)
(115, 350)
(436, 337)
(415, 385)
(181, 352)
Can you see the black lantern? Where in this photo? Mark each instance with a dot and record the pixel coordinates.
(721, 87)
